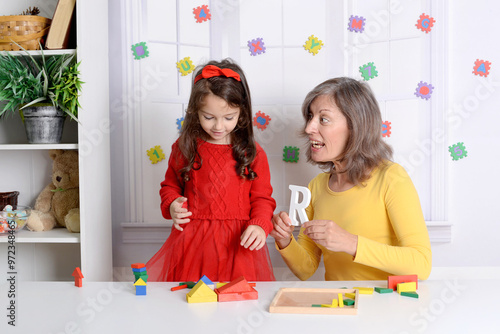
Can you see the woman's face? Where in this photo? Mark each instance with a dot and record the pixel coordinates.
(218, 119)
(327, 130)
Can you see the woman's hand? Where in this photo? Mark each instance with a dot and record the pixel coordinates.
(282, 229)
(328, 234)
(254, 237)
(179, 212)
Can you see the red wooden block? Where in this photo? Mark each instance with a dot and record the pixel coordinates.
(235, 296)
(175, 288)
(137, 265)
(393, 281)
(238, 289)
(238, 285)
(77, 274)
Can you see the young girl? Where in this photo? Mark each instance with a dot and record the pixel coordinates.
(217, 187)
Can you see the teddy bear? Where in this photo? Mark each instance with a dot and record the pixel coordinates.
(58, 204)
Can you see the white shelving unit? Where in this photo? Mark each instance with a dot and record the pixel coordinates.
(91, 248)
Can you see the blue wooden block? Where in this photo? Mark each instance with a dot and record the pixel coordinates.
(138, 270)
(140, 290)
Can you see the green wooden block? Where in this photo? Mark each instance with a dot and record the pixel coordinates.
(383, 290)
(316, 305)
(143, 276)
(189, 284)
(409, 294)
(348, 302)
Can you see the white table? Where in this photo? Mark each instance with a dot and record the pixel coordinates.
(444, 306)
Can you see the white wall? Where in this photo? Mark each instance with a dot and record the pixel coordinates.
(471, 200)
(474, 118)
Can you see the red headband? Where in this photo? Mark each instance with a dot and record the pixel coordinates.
(210, 71)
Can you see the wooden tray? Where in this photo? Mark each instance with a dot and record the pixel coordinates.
(297, 300)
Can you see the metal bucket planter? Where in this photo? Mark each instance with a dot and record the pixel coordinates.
(43, 124)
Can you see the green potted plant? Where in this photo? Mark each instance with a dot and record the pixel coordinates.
(44, 89)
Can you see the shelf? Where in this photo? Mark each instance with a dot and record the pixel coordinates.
(57, 236)
(32, 147)
(45, 52)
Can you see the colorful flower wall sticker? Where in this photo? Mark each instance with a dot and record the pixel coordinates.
(256, 46)
(313, 45)
(425, 23)
(368, 71)
(482, 68)
(202, 13)
(185, 66)
(457, 151)
(180, 123)
(140, 50)
(356, 24)
(424, 90)
(261, 120)
(291, 154)
(386, 129)
(156, 154)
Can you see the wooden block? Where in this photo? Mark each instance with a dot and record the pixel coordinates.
(189, 284)
(201, 293)
(299, 301)
(406, 287)
(206, 299)
(238, 285)
(138, 270)
(350, 295)
(364, 291)
(392, 281)
(409, 294)
(341, 300)
(137, 265)
(348, 302)
(179, 287)
(316, 305)
(140, 290)
(220, 284)
(238, 289)
(383, 290)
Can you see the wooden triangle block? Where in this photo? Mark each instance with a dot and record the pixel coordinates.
(201, 293)
(238, 289)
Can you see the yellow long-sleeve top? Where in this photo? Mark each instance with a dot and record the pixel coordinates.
(386, 215)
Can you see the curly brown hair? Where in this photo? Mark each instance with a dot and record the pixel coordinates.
(365, 148)
(237, 95)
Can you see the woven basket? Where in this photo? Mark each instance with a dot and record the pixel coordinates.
(25, 30)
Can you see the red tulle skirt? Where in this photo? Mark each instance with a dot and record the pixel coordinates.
(211, 248)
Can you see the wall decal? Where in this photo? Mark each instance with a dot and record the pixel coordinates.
(156, 154)
(424, 90)
(368, 71)
(482, 68)
(356, 24)
(313, 45)
(261, 120)
(291, 154)
(202, 13)
(457, 151)
(185, 66)
(425, 23)
(256, 46)
(140, 50)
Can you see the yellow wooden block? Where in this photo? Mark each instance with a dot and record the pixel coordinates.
(334, 304)
(220, 284)
(350, 295)
(341, 300)
(365, 291)
(407, 287)
(201, 293)
(207, 299)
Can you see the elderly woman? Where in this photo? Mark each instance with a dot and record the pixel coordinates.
(365, 214)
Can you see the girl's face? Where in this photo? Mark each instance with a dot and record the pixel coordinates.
(327, 130)
(218, 119)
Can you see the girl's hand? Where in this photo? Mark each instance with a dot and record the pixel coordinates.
(254, 237)
(333, 237)
(179, 212)
(282, 229)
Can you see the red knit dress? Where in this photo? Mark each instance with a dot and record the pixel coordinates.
(223, 206)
